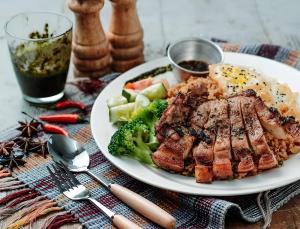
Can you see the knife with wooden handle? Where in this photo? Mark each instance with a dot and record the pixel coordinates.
(139, 203)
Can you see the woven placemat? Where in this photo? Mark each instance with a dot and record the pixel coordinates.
(190, 211)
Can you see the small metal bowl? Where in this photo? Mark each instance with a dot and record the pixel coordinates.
(193, 49)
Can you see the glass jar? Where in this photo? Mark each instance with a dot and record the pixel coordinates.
(40, 50)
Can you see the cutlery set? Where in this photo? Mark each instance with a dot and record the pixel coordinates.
(70, 157)
(71, 188)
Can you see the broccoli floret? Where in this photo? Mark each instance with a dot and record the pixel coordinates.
(131, 140)
(136, 138)
(150, 115)
(157, 107)
(152, 112)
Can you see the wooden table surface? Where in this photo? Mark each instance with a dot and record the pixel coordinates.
(268, 21)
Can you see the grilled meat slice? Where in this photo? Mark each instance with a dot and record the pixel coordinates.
(168, 159)
(180, 108)
(197, 93)
(233, 130)
(175, 115)
(204, 151)
(292, 128)
(280, 127)
(239, 143)
(176, 147)
(171, 154)
(182, 145)
(269, 117)
(195, 87)
(203, 173)
(267, 159)
(199, 116)
(203, 154)
(222, 167)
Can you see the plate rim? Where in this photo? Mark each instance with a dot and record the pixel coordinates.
(136, 176)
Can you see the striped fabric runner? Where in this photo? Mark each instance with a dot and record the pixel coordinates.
(190, 211)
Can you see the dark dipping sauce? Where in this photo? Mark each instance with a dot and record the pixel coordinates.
(41, 87)
(194, 65)
(41, 66)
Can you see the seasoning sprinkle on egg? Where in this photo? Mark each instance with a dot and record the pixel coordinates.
(235, 79)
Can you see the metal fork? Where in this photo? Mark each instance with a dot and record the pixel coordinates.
(68, 184)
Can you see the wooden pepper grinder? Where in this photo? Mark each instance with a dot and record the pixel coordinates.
(125, 35)
(90, 47)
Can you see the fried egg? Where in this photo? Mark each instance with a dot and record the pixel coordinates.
(235, 79)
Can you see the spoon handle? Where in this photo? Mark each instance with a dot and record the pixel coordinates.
(143, 206)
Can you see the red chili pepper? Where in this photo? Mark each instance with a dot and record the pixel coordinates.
(54, 129)
(69, 104)
(49, 128)
(62, 118)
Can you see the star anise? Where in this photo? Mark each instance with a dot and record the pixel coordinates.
(15, 161)
(24, 143)
(39, 146)
(6, 147)
(28, 129)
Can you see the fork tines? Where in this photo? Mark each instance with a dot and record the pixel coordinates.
(62, 177)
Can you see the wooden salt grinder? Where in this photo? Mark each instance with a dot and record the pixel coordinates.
(125, 35)
(90, 47)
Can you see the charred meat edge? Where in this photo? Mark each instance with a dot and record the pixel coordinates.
(222, 167)
(255, 132)
(240, 147)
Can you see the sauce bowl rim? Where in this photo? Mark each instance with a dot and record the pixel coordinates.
(208, 42)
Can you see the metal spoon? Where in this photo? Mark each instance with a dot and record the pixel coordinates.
(75, 157)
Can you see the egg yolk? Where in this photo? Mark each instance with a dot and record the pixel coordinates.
(236, 76)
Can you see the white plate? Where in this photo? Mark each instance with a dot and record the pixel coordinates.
(102, 131)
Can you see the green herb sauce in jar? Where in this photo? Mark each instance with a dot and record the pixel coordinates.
(41, 64)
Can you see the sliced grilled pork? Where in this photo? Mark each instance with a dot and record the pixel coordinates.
(280, 127)
(200, 116)
(168, 159)
(180, 108)
(269, 117)
(174, 117)
(171, 154)
(222, 132)
(197, 93)
(183, 145)
(267, 159)
(239, 143)
(222, 168)
(176, 114)
(204, 155)
(292, 128)
(204, 151)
